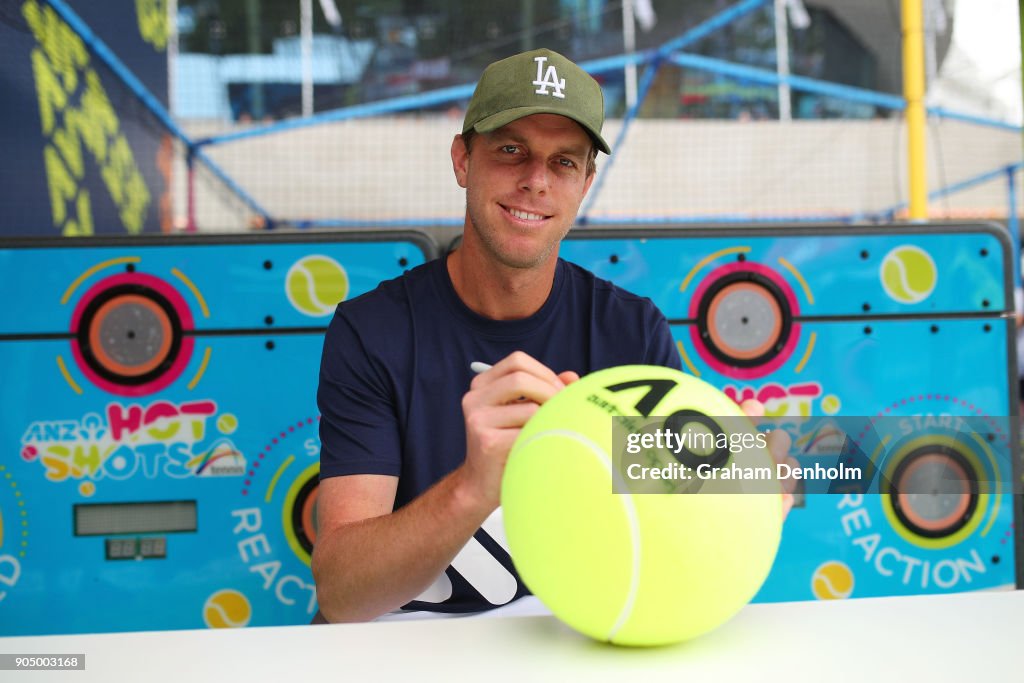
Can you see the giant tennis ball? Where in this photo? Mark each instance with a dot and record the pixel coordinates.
(641, 567)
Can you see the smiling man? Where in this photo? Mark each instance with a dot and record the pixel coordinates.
(413, 442)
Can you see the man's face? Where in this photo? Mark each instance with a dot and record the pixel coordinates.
(524, 184)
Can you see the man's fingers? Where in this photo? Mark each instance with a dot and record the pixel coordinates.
(568, 377)
(779, 442)
(787, 503)
(507, 416)
(753, 409)
(789, 484)
(517, 362)
(519, 386)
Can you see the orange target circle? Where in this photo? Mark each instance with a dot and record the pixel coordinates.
(935, 493)
(130, 335)
(744, 320)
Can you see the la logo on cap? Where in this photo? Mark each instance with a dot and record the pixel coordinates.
(549, 78)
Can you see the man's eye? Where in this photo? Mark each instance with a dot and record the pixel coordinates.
(568, 163)
(510, 149)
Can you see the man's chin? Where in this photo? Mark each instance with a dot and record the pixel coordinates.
(519, 251)
(519, 263)
(524, 260)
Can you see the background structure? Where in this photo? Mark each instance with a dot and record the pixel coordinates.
(242, 114)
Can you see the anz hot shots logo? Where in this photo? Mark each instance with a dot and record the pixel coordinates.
(157, 439)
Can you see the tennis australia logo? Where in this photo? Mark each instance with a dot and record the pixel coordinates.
(548, 79)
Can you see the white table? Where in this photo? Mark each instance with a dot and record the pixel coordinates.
(963, 637)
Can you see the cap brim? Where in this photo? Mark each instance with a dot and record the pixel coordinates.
(493, 122)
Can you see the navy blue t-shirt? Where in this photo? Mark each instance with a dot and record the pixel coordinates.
(396, 364)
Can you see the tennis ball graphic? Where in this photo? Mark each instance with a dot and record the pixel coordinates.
(227, 423)
(227, 609)
(315, 284)
(830, 404)
(908, 274)
(832, 581)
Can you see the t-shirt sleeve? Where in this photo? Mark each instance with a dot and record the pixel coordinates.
(661, 347)
(359, 432)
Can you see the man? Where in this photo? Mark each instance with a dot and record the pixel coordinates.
(413, 443)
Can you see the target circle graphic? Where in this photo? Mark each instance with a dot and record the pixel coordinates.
(129, 334)
(285, 476)
(943, 465)
(300, 518)
(953, 496)
(934, 489)
(744, 314)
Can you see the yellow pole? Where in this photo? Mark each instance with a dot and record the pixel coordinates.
(913, 92)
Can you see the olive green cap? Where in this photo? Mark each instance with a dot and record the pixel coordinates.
(536, 82)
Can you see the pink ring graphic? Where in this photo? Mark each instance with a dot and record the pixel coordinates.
(179, 306)
(698, 343)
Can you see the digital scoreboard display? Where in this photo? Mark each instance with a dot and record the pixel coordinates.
(137, 548)
(107, 519)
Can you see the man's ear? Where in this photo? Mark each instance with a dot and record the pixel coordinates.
(460, 160)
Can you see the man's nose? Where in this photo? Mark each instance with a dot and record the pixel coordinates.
(535, 177)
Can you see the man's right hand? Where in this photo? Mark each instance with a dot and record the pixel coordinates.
(498, 404)
(369, 560)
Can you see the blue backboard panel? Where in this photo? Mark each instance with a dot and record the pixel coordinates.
(161, 425)
(160, 417)
(890, 325)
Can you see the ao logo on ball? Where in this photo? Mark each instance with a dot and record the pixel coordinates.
(315, 284)
(908, 274)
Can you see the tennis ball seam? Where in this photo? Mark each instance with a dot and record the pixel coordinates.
(629, 509)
